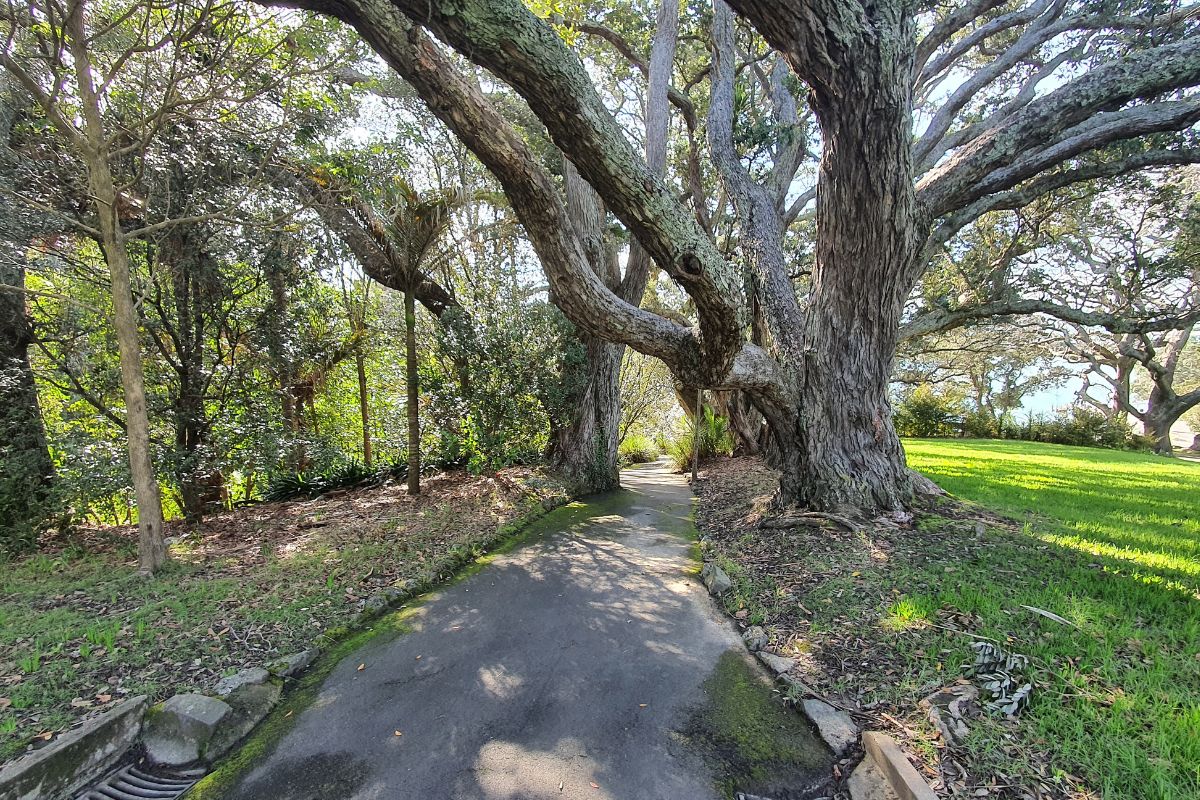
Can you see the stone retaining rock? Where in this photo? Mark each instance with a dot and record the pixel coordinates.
(249, 704)
(296, 663)
(777, 664)
(755, 638)
(836, 727)
(715, 579)
(251, 676)
(77, 758)
(179, 732)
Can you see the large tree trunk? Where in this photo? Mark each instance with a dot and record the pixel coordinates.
(152, 549)
(1162, 412)
(845, 452)
(1158, 427)
(586, 450)
(26, 470)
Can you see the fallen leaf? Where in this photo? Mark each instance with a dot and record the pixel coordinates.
(642, 705)
(595, 785)
(398, 733)
(287, 714)
(104, 698)
(5, 702)
(361, 667)
(46, 736)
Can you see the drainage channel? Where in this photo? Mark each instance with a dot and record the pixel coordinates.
(134, 782)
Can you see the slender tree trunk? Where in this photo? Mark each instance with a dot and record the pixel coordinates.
(363, 407)
(411, 379)
(182, 257)
(152, 550)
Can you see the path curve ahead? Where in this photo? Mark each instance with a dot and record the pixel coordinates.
(566, 668)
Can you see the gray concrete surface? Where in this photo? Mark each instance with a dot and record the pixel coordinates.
(564, 669)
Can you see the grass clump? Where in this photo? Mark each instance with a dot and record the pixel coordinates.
(637, 449)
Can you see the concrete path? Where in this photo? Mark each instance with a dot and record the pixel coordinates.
(566, 668)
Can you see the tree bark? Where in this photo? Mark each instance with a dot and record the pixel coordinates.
(414, 392)
(152, 549)
(585, 450)
(26, 471)
(1158, 427)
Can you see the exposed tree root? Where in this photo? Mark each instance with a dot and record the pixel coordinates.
(813, 519)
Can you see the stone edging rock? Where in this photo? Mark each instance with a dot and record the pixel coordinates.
(77, 758)
(884, 773)
(194, 728)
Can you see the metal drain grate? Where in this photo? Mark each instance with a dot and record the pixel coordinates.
(132, 783)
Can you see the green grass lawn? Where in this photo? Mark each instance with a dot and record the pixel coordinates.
(1120, 558)
(880, 618)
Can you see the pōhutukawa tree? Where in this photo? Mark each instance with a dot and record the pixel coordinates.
(1141, 249)
(928, 117)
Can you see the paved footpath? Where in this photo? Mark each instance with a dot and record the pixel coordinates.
(563, 669)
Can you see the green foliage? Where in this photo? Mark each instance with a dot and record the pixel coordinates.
(637, 449)
(339, 475)
(925, 412)
(715, 439)
(1082, 427)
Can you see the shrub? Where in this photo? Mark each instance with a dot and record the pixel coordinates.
(715, 439)
(637, 449)
(339, 475)
(926, 413)
(980, 424)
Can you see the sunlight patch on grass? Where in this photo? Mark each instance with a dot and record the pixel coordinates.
(908, 612)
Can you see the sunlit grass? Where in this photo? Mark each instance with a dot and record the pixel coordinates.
(1114, 547)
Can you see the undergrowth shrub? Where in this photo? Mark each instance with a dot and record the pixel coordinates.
(925, 412)
(637, 449)
(715, 439)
